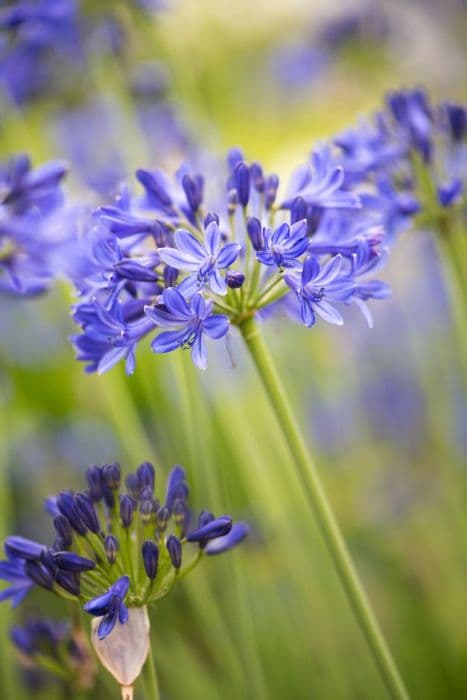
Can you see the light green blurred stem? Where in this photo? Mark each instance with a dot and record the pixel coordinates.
(151, 685)
(452, 243)
(311, 482)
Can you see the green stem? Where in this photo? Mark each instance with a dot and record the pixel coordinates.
(151, 686)
(327, 522)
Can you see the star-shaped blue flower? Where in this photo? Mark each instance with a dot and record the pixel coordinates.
(203, 260)
(317, 286)
(284, 246)
(192, 322)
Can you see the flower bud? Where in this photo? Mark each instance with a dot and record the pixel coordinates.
(272, 185)
(257, 177)
(150, 552)
(93, 477)
(87, 512)
(215, 528)
(174, 548)
(111, 547)
(66, 506)
(242, 183)
(69, 561)
(234, 279)
(63, 529)
(127, 508)
(111, 476)
(162, 517)
(255, 232)
(209, 218)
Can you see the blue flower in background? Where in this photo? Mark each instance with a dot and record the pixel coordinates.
(320, 183)
(34, 231)
(192, 321)
(203, 260)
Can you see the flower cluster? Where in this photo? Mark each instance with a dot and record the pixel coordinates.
(164, 260)
(52, 647)
(117, 550)
(411, 159)
(39, 37)
(30, 200)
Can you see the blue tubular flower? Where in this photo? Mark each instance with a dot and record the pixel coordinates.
(193, 322)
(320, 184)
(217, 527)
(204, 262)
(317, 286)
(219, 545)
(284, 246)
(110, 607)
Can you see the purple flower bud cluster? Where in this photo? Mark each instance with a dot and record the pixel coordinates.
(102, 531)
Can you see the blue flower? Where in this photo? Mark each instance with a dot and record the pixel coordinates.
(317, 286)
(110, 606)
(320, 183)
(107, 336)
(193, 321)
(203, 261)
(224, 543)
(284, 246)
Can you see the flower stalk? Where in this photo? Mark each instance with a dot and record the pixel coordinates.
(329, 528)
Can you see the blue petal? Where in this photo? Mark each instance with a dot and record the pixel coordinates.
(176, 303)
(122, 613)
(228, 254)
(310, 270)
(217, 283)
(168, 341)
(222, 544)
(199, 353)
(216, 326)
(328, 313)
(186, 242)
(307, 314)
(178, 259)
(107, 624)
(198, 306)
(213, 238)
(100, 606)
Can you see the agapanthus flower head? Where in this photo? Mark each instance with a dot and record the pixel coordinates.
(184, 263)
(116, 550)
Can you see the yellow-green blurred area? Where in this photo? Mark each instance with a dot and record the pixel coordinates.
(384, 410)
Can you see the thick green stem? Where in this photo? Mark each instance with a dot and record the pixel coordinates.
(151, 686)
(327, 522)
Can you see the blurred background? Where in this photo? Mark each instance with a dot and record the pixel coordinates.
(384, 409)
